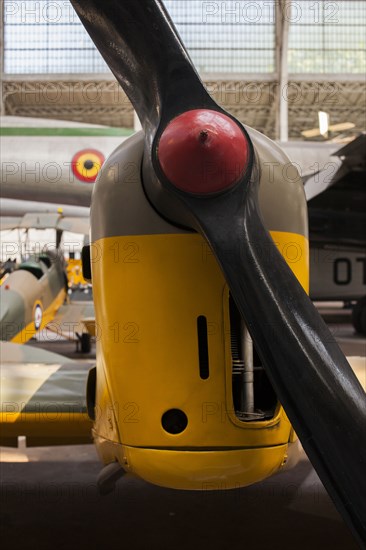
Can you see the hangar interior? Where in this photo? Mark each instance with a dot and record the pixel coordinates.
(273, 65)
(197, 441)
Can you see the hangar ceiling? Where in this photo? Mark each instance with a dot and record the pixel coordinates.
(287, 37)
(254, 102)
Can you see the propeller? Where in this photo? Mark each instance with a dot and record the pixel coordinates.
(201, 169)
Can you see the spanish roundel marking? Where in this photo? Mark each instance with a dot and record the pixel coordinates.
(38, 316)
(86, 164)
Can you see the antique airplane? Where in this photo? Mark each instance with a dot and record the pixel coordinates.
(31, 296)
(211, 359)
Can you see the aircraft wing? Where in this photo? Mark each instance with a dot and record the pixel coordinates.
(336, 198)
(74, 225)
(353, 153)
(43, 397)
(46, 221)
(69, 319)
(320, 181)
(350, 158)
(9, 222)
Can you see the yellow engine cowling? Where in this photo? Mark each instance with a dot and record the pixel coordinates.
(165, 407)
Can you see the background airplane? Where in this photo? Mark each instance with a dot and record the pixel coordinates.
(31, 296)
(55, 162)
(41, 292)
(337, 223)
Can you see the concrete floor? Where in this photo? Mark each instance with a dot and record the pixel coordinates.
(50, 501)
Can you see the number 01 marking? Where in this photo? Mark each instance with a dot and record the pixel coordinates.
(342, 271)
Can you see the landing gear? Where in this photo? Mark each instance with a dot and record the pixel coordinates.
(359, 316)
(83, 343)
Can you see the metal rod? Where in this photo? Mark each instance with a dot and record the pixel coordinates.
(248, 374)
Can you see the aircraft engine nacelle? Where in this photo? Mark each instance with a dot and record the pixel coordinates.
(181, 398)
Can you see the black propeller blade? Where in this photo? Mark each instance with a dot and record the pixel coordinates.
(217, 194)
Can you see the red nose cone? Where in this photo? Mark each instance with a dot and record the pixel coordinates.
(203, 152)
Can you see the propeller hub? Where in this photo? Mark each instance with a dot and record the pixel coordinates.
(203, 151)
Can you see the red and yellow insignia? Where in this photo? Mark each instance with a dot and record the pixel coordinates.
(86, 164)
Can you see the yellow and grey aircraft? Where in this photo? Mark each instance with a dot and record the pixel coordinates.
(31, 296)
(212, 362)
